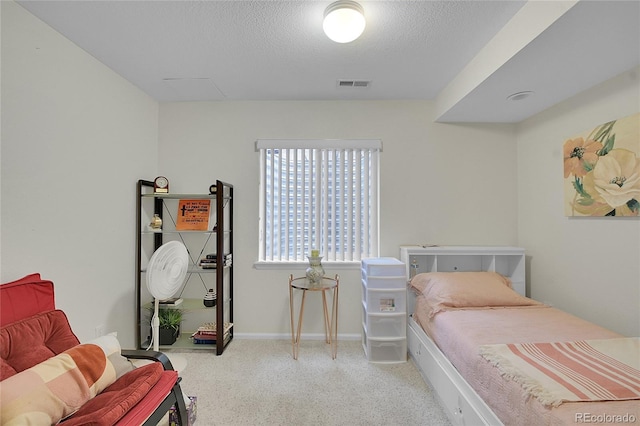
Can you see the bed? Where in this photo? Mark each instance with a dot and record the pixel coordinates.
(465, 324)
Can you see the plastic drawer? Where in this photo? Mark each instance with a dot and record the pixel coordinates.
(384, 282)
(385, 325)
(383, 267)
(385, 350)
(384, 300)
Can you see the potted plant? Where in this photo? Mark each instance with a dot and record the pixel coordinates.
(170, 320)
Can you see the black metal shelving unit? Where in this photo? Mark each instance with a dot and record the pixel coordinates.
(149, 203)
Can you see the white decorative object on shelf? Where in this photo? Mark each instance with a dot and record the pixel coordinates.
(315, 271)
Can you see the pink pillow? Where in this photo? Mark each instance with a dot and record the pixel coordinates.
(447, 290)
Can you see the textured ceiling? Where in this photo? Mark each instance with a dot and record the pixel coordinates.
(276, 50)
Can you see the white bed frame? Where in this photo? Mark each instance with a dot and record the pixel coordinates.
(461, 403)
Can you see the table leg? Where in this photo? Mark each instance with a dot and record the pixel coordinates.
(327, 324)
(334, 324)
(299, 328)
(293, 333)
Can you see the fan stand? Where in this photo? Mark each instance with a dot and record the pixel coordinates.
(166, 271)
(155, 326)
(178, 362)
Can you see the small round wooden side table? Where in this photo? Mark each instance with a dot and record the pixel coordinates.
(327, 285)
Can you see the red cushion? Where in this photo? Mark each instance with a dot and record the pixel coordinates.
(32, 331)
(119, 398)
(24, 298)
(33, 340)
(141, 412)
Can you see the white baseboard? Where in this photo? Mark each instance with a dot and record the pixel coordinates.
(287, 336)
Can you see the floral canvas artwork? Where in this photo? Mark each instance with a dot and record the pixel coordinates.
(602, 170)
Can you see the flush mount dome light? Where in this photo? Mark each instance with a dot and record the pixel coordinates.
(343, 21)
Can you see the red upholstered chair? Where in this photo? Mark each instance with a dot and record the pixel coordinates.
(33, 331)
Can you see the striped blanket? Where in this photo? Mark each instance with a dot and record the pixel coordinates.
(586, 370)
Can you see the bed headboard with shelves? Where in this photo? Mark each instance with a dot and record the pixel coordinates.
(507, 261)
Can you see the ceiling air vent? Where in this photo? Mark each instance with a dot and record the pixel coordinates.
(354, 83)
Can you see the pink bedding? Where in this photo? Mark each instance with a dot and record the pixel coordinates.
(459, 333)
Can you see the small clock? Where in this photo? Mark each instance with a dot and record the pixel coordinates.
(213, 189)
(161, 185)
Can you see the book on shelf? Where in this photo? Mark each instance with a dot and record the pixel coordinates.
(210, 261)
(193, 215)
(208, 330)
(208, 264)
(214, 257)
(206, 339)
(174, 301)
(204, 336)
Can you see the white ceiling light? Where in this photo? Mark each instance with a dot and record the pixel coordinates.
(343, 21)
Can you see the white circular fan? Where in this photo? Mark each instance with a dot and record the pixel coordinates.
(165, 274)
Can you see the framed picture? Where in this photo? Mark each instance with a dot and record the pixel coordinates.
(602, 170)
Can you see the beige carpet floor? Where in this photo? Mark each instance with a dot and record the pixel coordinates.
(257, 382)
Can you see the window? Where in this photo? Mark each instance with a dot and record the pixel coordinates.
(318, 195)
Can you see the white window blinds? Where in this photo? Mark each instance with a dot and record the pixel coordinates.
(318, 195)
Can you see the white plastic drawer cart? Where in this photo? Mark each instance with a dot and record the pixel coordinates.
(384, 310)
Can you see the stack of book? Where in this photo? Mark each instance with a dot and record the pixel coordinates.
(210, 261)
(206, 333)
(207, 263)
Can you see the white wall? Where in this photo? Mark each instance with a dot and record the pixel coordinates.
(440, 183)
(587, 266)
(75, 138)
(68, 121)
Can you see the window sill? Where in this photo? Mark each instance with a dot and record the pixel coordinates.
(355, 265)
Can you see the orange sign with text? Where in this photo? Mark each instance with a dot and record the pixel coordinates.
(193, 215)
